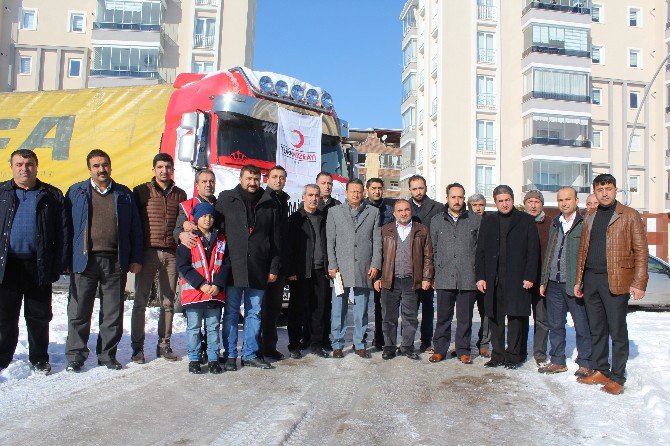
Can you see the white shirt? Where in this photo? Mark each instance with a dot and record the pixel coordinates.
(403, 231)
(567, 224)
(100, 191)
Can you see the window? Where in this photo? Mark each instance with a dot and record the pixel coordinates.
(25, 65)
(485, 95)
(596, 13)
(29, 19)
(203, 36)
(408, 120)
(633, 99)
(125, 61)
(634, 184)
(129, 12)
(556, 84)
(394, 185)
(634, 18)
(74, 68)
(409, 53)
(635, 142)
(634, 58)
(361, 158)
(486, 143)
(596, 54)
(596, 140)
(484, 180)
(485, 51)
(77, 22)
(203, 67)
(557, 40)
(556, 130)
(596, 96)
(408, 86)
(551, 175)
(389, 161)
(408, 21)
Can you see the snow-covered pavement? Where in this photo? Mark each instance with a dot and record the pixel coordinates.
(327, 401)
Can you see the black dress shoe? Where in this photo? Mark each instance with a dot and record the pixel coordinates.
(194, 367)
(42, 367)
(494, 363)
(138, 356)
(511, 365)
(74, 366)
(295, 354)
(327, 346)
(111, 364)
(410, 354)
(273, 354)
(230, 364)
(215, 368)
(166, 352)
(320, 352)
(388, 354)
(258, 363)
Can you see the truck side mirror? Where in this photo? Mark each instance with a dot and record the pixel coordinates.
(186, 136)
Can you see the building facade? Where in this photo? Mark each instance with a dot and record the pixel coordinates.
(68, 44)
(537, 95)
(378, 156)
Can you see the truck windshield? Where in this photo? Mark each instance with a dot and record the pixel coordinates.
(257, 140)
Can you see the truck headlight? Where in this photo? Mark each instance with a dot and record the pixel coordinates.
(312, 96)
(297, 92)
(266, 84)
(282, 88)
(327, 101)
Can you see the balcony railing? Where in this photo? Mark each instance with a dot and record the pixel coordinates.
(433, 67)
(433, 108)
(421, 43)
(486, 56)
(421, 118)
(127, 26)
(126, 73)
(419, 157)
(433, 150)
(207, 2)
(408, 129)
(574, 6)
(486, 101)
(203, 41)
(485, 12)
(556, 96)
(557, 142)
(408, 62)
(407, 94)
(420, 83)
(486, 146)
(485, 189)
(554, 50)
(554, 188)
(434, 25)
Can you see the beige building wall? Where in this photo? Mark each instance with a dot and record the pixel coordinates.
(226, 39)
(481, 51)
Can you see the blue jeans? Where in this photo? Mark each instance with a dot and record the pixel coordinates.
(338, 325)
(194, 317)
(253, 301)
(558, 305)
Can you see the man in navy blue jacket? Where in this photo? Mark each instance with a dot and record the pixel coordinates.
(107, 243)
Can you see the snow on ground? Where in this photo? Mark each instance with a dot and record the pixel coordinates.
(326, 401)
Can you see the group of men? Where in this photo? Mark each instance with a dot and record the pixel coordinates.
(404, 252)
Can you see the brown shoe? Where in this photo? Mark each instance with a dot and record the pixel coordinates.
(552, 368)
(465, 359)
(484, 352)
(436, 357)
(363, 353)
(583, 372)
(613, 388)
(337, 353)
(594, 378)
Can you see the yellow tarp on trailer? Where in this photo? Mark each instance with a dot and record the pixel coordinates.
(63, 126)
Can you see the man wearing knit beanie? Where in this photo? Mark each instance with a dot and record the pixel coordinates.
(533, 203)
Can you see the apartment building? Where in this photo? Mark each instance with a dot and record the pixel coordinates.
(378, 156)
(66, 44)
(537, 95)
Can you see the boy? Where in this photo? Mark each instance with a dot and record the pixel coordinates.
(203, 271)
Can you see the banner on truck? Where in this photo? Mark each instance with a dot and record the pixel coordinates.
(299, 144)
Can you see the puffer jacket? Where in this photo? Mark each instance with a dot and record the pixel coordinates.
(158, 213)
(627, 250)
(422, 254)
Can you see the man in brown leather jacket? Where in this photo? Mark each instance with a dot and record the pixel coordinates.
(407, 267)
(611, 268)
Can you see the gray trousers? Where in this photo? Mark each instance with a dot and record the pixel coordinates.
(401, 297)
(164, 263)
(103, 271)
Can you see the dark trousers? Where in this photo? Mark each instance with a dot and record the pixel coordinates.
(607, 318)
(484, 333)
(271, 309)
(464, 302)
(427, 315)
(20, 284)
(514, 327)
(401, 297)
(102, 271)
(308, 303)
(540, 329)
(558, 305)
(379, 320)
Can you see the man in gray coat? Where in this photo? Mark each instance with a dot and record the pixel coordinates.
(355, 252)
(454, 236)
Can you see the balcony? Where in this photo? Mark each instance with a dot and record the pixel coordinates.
(212, 3)
(555, 50)
(407, 168)
(555, 96)
(433, 109)
(434, 22)
(408, 95)
(486, 101)
(486, 56)
(421, 78)
(126, 73)
(555, 188)
(434, 67)
(433, 151)
(410, 63)
(420, 120)
(488, 13)
(422, 42)
(557, 142)
(486, 189)
(486, 146)
(204, 41)
(571, 6)
(127, 26)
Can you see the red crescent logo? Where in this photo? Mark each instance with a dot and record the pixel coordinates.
(302, 139)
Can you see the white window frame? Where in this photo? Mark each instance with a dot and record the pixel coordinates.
(22, 13)
(636, 137)
(600, 139)
(593, 90)
(630, 184)
(601, 49)
(30, 66)
(630, 94)
(639, 57)
(69, 67)
(638, 10)
(601, 7)
(70, 14)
